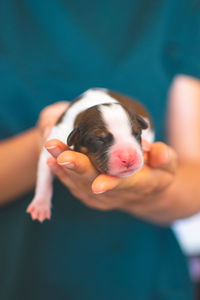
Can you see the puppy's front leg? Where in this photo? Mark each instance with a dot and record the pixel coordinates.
(40, 207)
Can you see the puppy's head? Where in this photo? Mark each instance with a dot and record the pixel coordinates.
(110, 136)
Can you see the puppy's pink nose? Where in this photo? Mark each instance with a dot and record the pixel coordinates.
(127, 157)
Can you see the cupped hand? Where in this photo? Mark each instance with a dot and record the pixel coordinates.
(140, 194)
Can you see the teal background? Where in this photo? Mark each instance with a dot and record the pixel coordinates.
(53, 50)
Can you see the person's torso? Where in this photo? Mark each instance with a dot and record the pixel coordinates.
(55, 50)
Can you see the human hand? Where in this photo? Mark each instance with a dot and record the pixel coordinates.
(140, 194)
(48, 118)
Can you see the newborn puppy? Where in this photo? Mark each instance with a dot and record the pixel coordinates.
(108, 128)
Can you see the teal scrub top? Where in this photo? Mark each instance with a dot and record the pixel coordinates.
(56, 49)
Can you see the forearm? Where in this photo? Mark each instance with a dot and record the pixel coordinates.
(184, 136)
(18, 160)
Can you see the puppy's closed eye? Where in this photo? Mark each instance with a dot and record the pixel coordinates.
(104, 137)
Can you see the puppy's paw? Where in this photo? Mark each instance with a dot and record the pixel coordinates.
(39, 209)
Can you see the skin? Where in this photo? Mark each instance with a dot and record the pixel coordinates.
(167, 187)
(19, 156)
(15, 154)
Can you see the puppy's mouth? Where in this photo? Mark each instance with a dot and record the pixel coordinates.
(126, 173)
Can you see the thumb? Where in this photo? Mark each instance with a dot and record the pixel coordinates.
(104, 182)
(163, 157)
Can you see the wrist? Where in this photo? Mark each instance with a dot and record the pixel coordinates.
(20, 155)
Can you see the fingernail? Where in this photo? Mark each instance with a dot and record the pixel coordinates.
(67, 164)
(98, 192)
(50, 147)
(47, 132)
(54, 150)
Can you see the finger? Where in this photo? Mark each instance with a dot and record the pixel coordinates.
(104, 182)
(50, 114)
(58, 108)
(146, 146)
(47, 133)
(163, 157)
(55, 147)
(78, 162)
(55, 168)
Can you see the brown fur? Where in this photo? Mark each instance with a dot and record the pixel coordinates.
(131, 104)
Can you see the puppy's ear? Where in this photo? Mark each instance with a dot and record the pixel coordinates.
(73, 137)
(142, 122)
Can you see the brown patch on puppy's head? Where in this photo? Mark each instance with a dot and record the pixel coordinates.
(91, 137)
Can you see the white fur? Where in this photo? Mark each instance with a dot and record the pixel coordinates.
(148, 134)
(117, 122)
